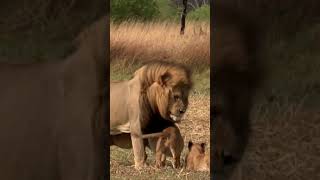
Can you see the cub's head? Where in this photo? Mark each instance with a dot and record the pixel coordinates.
(196, 159)
(196, 148)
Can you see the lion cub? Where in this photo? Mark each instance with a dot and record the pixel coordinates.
(170, 142)
(196, 159)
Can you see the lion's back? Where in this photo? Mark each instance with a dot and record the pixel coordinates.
(119, 97)
(119, 91)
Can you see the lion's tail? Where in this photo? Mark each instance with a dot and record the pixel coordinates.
(153, 135)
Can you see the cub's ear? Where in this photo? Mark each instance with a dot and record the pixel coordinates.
(164, 79)
(190, 145)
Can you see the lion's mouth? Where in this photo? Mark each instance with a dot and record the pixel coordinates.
(175, 118)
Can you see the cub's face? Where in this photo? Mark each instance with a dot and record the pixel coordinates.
(196, 158)
(196, 148)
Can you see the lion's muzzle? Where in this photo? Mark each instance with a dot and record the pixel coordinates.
(176, 118)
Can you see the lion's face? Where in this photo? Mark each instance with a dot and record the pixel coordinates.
(177, 103)
(169, 95)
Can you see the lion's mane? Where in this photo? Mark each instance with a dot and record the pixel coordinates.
(154, 99)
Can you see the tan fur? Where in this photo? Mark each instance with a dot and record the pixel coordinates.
(157, 92)
(171, 140)
(48, 112)
(196, 159)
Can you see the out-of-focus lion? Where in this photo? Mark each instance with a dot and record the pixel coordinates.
(236, 76)
(154, 99)
(50, 126)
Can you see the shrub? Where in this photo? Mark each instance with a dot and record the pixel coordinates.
(201, 14)
(133, 10)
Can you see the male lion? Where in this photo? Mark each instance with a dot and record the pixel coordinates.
(154, 99)
(49, 123)
(196, 159)
(235, 79)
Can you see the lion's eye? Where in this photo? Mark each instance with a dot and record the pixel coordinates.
(176, 97)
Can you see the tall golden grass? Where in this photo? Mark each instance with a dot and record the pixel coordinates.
(141, 42)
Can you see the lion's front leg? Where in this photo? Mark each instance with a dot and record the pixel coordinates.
(138, 152)
(137, 145)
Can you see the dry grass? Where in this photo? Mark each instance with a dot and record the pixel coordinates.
(151, 41)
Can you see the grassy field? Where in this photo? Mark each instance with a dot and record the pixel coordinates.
(133, 43)
(139, 42)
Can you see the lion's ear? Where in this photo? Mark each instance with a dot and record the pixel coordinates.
(164, 79)
(190, 145)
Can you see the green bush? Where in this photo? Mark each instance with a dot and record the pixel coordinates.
(133, 10)
(201, 14)
(167, 10)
